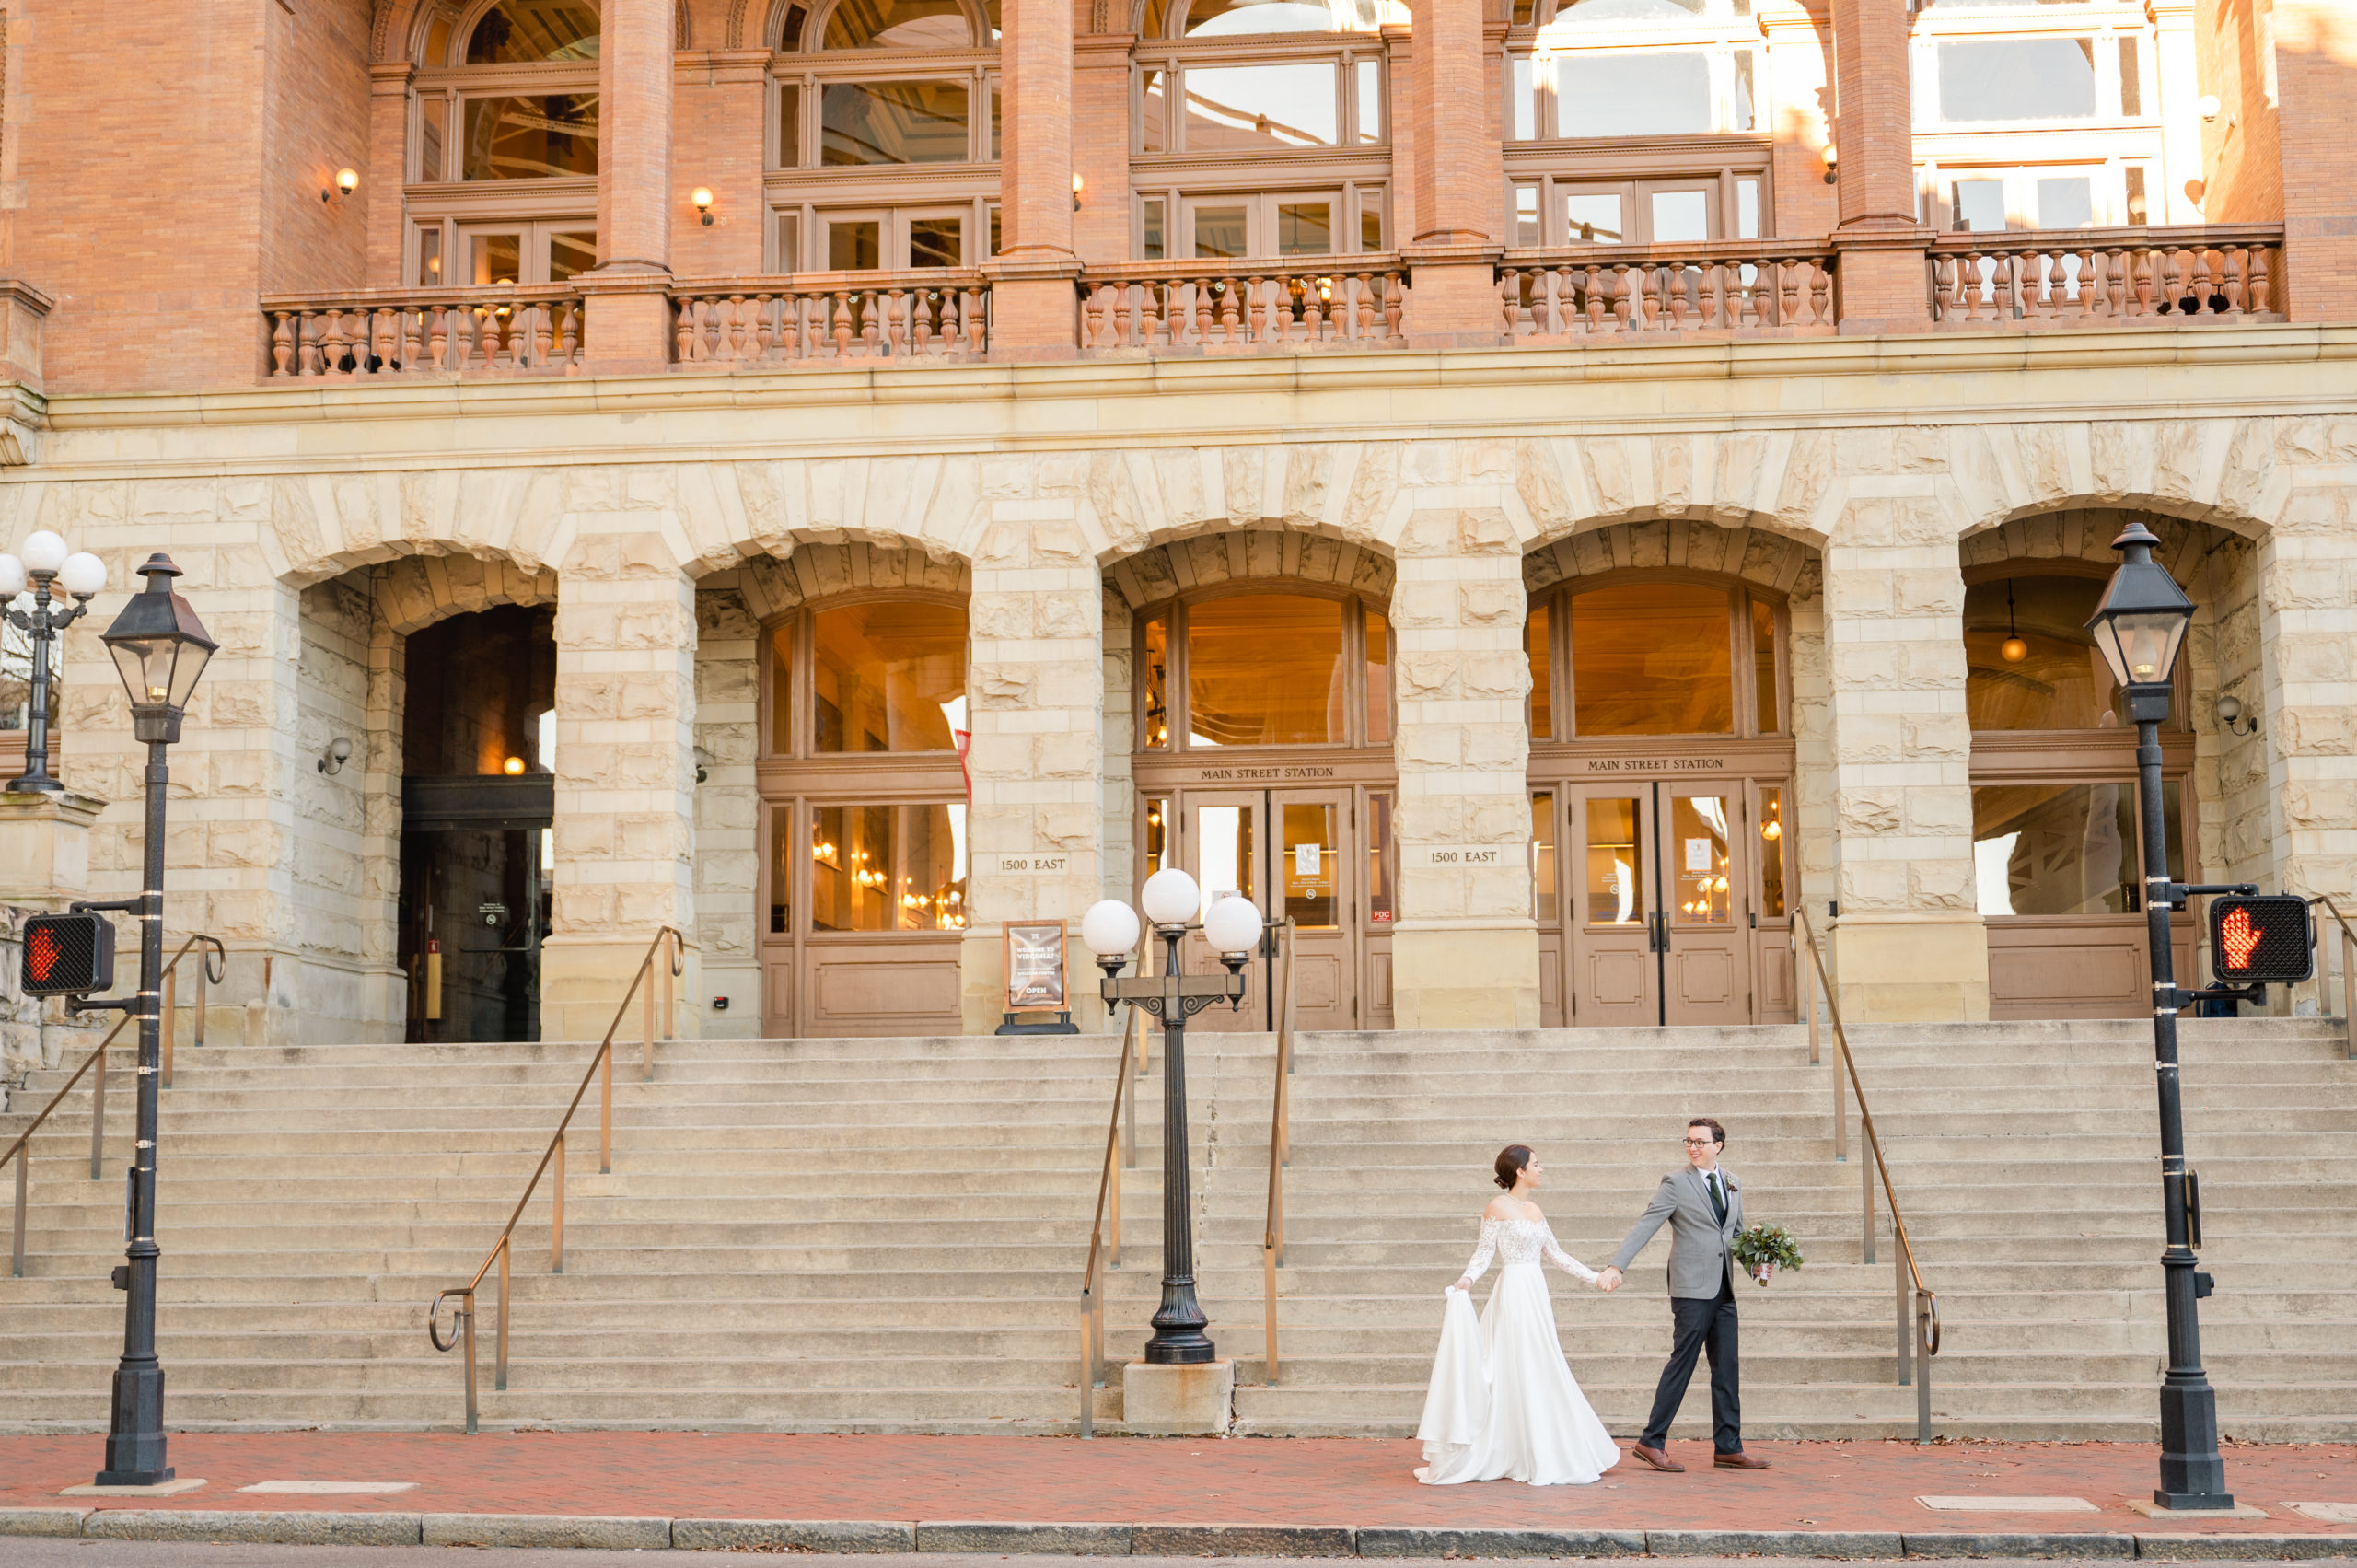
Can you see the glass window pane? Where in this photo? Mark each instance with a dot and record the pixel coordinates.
(1158, 834)
(1369, 92)
(928, 886)
(899, 24)
(2131, 88)
(994, 228)
(855, 245)
(1232, 18)
(1767, 713)
(1542, 673)
(1592, 219)
(1613, 895)
(789, 125)
(1543, 854)
(998, 122)
(789, 242)
(1522, 100)
(936, 242)
(1744, 111)
(1264, 669)
(2055, 849)
(1220, 233)
(429, 256)
(1701, 891)
(1153, 244)
(782, 690)
(2029, 663)
(1155, 112)
(497, 258)
(1525, 215)
(1680, 217)
(1310, 866)
(526, 31)
(781, 870)
(888, 676)
(1261, 108)
(432, 118)
(1621, 94)
(530, 138)
(1771, 853)
(2065, 203)
(1370, 221)
(889, 122)
(887, 867)
(2136, 208)
(1378, 679)
(1304, 229)
(789, 35)
(1226, 855)
(1157, 683)
(1978, 205)
(1747, 209)
(1380, 907)
(571, 253)
(2016, 78)
(1651, 658)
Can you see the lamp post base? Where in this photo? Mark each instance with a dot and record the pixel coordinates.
(136, 1445)
(1195, 1350)
(2194, 1501)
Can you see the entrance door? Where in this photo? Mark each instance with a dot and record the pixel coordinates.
(1292, 852)
(1656, 907)
(1224, 839)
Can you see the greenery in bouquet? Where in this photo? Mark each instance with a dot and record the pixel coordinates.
(1761, 1247)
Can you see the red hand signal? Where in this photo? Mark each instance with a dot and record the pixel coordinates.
(2236, 933)
(41, 961)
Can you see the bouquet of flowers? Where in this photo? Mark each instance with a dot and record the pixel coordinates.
(1764, 1249)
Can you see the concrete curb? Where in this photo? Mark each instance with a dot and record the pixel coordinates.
(326, 1527)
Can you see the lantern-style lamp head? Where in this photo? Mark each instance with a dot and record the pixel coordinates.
(1233, 928)
(2140, 623)
(159, 649)
(1170, 897)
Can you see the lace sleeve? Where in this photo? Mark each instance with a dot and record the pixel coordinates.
(1484, 1251)
(1564, 1260)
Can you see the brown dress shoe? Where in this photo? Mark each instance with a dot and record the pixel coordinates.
(1737, 1462)
(1657, 1459)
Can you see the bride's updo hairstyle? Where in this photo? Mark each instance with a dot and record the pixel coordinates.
(1511, 1161)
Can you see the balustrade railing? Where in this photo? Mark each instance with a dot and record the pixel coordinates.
(1359, 301)
(930, 314)
(2101, 276)
(467, 333)
(1742, 287)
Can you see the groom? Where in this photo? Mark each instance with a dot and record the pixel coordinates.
(1704, 1207)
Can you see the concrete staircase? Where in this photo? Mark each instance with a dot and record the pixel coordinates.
(888, 1234)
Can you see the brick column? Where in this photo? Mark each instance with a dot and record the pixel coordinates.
(2316, 73)
(1101, 145)
(1035, 698)
(625, 772)
(1035, 311)
(1884, 286)
(1455, 163)
(387, 170)
(1909, 943)
(1464, 953)
(719, 144)
(629, 326)
(1800, 50)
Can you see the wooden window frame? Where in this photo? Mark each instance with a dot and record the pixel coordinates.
(1351, 606)
(1743, 672)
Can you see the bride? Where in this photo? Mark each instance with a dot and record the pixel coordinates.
(1503, 1402)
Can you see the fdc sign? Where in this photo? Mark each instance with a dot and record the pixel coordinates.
(2261, 941)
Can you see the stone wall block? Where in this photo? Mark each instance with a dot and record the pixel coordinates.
(2313, 732)
(1936, 591)
(1947, 737)
(1492, 604)
(1872, 885)
(2322, 805)
(1869, 813)
(1427, 677)
(1941, 885)
(1424, 603)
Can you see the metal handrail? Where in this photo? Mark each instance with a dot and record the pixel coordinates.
(1109, 1185)
(1924, 1318)
(212, 969)
(2348, 972)
(462, 1325)
(1273, 1234)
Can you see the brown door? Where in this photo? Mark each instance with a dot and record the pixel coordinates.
(1315, 878)
(1704, 888)
(1546, 895)
(1615, 975)
(1224, 844)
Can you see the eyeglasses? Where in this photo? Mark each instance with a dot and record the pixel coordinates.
(1700, 1142)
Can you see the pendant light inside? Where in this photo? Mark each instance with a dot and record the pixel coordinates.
(2012, 650)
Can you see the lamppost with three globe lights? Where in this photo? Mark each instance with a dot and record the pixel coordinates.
(44, 565)
(1232, 926)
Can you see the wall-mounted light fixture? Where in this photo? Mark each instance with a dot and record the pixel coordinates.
(347, 180)
(2230, 709)
(2207, 106)
(702, 197)
(704, 764)
(339, 752)
(1076, 183)
(513, 767)
(1832, 162)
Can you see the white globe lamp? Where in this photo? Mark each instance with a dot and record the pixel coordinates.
(1111, 930)
(1233, 927)
(43, 554)
(83, 574)
(12, 577)
(1170, 897)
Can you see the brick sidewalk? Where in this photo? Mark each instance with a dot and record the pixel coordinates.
(1862, 1486)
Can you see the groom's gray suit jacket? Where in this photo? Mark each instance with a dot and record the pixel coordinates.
(1699, 1264)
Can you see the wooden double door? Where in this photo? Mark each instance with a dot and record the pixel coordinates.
(1321, 856)
(1662, 901)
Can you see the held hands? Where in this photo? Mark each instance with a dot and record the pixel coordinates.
(1608, 1281)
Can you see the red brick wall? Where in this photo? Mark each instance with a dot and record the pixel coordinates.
(2242, 170)
(717, 141)
(2315, 68)
(316, 123)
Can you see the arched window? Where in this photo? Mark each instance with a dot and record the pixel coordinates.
(506, 97)
(1589, 81)
(1654, 654)
(1264, 667)
(880, 94)
(1229, 93)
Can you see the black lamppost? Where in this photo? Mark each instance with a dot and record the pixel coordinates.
(160, 648)
(44, 562)
(2140, 625)
(1233, 928)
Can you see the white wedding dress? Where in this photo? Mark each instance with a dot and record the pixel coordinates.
(1503, 1404)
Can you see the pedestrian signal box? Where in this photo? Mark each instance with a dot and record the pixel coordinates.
(2261, 941)
(67, 955)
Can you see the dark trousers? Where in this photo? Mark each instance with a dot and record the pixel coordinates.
(1700, 1326)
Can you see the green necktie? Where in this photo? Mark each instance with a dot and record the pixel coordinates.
(1718, 1203)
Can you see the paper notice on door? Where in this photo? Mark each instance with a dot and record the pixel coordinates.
(1305, 859)
(1698, 855)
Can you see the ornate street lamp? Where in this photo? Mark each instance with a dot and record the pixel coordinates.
(1233, 928)
(44, 566)
(159, 648)
(2140, 625)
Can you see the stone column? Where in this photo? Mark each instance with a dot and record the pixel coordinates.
(2308, 737)
(387, 171)
(1035, 699)
(1465, 952)
(1035, 311)
(1885, 286)
(625, 772)
(1456, 169)
(629, 326)
(1909, 943)
(2315, 74)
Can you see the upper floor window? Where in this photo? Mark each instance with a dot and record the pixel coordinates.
(1617, 68)
(882, 674)
(1264, 667)
(1654, 654)
(1225, 77)
(2030, 660)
